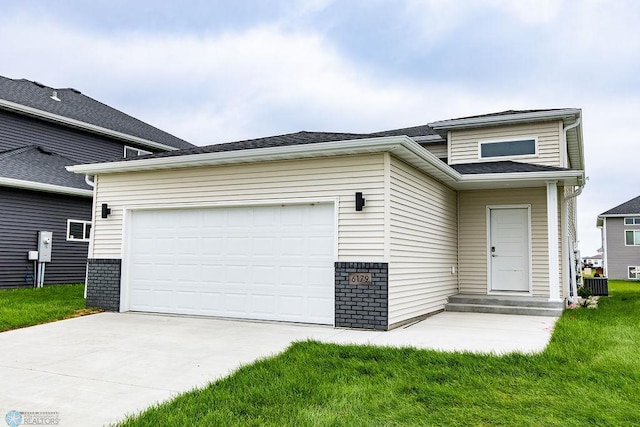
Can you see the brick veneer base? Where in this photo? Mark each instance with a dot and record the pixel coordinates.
(362, 306)
(103, 284)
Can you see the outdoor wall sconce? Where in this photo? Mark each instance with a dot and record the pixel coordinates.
(106, 211)
(359, 201)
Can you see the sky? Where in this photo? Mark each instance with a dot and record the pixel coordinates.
(213, 71)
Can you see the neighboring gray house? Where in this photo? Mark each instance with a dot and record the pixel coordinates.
(42, 130)
(620, 229)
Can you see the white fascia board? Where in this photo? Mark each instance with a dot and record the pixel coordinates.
(504, 119)
(618, 215)
(8, 105)
(394, 144)
(573, 177)
(429, 138)
(48, 188)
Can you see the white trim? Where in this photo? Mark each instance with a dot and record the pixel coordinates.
(564, 149)
(552, 239)
(401, 147)
(605, 267)
(635, 230)
(633, 218)
(82, 125)
(482, 142)
(522, 117)
(84, 230)
(140, 151)
(489, 208)
(48, 188)
(387, 208)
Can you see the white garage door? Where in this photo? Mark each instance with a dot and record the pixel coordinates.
(267, 262)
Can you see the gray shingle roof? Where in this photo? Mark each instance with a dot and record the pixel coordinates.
(35, 164)
(631, 207)
(74, 105)
(506, 166)
(423, 130)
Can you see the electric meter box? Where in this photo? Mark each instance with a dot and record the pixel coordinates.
(45, 241)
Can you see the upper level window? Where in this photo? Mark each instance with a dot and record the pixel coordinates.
(134, 152)
(515, 148)
(632, 237)
(78, 230)
(632, 221)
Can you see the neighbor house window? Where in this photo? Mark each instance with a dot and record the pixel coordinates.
(632, 237)
(78, 231)
(632, 221)
(515, 148)
(634, 272)
(134, 152)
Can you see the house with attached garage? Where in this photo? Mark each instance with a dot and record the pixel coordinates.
(620, 231)
(43, 130)
(368, 231)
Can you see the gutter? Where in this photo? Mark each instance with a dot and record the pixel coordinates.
(49, 188)
(30, 111)
(503, 119)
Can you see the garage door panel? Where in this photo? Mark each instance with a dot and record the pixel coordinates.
(272, 263)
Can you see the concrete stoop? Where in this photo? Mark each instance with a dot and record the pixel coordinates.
(504, 305)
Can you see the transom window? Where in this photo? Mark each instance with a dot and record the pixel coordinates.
(134, 152)
(634, 272)
(78, 231)
(632, 221)
(632, 237)
(515, 148)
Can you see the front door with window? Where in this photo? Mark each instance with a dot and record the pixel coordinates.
(509, 257)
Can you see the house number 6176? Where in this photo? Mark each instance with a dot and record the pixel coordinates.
(359, 278)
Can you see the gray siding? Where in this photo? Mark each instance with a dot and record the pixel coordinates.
(23, 214)
(18, 131)
(619, 256)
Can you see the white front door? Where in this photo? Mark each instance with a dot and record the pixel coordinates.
(509, 257)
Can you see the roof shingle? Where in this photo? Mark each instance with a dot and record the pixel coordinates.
(74, 105)
(35, 164)
(631, 207)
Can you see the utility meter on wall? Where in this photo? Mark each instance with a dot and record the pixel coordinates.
(45, 239)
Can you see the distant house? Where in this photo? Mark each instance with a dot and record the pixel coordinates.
(42, 130)
(620, 231)
(365, 231)
(594, 261)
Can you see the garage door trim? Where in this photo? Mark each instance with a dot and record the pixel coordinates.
(125, 287)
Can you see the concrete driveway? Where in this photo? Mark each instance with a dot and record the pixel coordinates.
(94, 370)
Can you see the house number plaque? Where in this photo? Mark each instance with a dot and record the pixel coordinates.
(359, 278)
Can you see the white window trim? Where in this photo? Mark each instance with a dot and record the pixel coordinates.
(511, 139)
(84, 229)
(629, 267)
(139, 150)
(633, 220)
(635, 231)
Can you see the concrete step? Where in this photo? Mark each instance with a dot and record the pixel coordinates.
(505, 300)
(504, 309)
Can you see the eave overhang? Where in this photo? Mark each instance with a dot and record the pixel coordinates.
(47, 188)
(570, 114)
(77, 124)
(402, 147)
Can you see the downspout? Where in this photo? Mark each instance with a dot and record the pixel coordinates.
(573, 298)
(89, 182)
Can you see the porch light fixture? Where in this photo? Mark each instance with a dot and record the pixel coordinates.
(359, 201)
(106, 210)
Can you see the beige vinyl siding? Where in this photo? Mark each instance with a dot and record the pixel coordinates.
(423, 240)
(464, 143)
(360, 235)
(473, 236)
(438, 149)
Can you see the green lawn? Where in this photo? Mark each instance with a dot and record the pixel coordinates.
(588, 375)
(29, 306)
